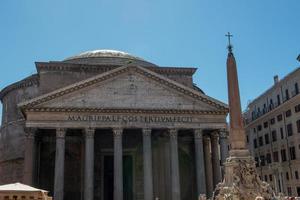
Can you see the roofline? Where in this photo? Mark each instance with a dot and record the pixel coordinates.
(274, 85)
(106, 67)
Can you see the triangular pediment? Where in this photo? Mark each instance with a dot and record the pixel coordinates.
(128, 87)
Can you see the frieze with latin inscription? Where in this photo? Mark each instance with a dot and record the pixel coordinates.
(130, 118)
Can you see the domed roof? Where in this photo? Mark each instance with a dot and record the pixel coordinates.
(106, 56)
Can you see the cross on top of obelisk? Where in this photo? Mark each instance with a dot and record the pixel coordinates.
(229, 43)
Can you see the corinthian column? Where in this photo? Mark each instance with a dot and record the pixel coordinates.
(89, 164)
(215, 158)
(208, 167)
(59, 164)
(148, 178)
(223, 148)
(199, 159)
(175, 179)
(118, 164)
(29, 155)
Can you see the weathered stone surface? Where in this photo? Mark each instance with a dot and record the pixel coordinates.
(80, 95)
(242, 181)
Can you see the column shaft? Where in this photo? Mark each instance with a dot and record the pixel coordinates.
(199, 159)
(89, 165)
(148, 178)
(59, 164)
(29, 156)
(215, 158)
(118, 164)
(223, 149)
(175, 179)
(208, 167)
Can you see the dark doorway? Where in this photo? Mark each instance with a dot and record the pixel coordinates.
(108, 178)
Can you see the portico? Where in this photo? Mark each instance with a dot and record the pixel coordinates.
(118, 152)
(161, 142)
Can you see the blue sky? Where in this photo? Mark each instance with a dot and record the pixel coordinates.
(167, 32)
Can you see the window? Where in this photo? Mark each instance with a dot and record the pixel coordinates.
(259, 128)
(266, 178)
(271, 106)
(253, 115)
(283, 155)
(298, 125)
(262, 161)
(278, 99)
(271, 177)
(247, 137)
(296, 175)
(298, 191)
(255, 143)
(273, 121)
(287, 176)
(268, 158)
(256, 161)
(297, 108)
(296, 88)
(267, 140)
(288, 113)
(254, 130)
(289, 129)
(279, 184)
(281, 132)
(289, 191)
(292, 153)
(279, 117)
(275, 156)
(265, 124)
(287, 96)
(261, 141)
(274, 136)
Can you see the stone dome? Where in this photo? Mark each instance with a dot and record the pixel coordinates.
(106, 57)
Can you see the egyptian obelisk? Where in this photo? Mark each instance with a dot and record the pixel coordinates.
(241, 182)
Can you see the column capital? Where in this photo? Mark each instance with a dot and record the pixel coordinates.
(173, 133)
(198, 133)
(223, 133)
(61, 132)
(117, 132)
(206, 138)
(30, 132)
(214, 135)
(89, 132)
(147, 131)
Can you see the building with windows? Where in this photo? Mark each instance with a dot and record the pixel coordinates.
(108, 125)
(272, 123)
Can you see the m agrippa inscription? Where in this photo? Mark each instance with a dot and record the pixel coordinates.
(130, 118)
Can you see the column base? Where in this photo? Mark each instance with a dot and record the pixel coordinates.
(242, 182)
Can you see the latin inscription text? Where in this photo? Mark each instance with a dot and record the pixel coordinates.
(130, 119)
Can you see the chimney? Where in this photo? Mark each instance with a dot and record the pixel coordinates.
(276, 79)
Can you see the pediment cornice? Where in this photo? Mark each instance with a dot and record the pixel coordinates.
(120, 70)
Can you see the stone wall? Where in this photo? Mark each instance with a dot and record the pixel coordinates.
(12, 134)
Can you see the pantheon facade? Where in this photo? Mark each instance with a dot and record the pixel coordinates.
(107, 125)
